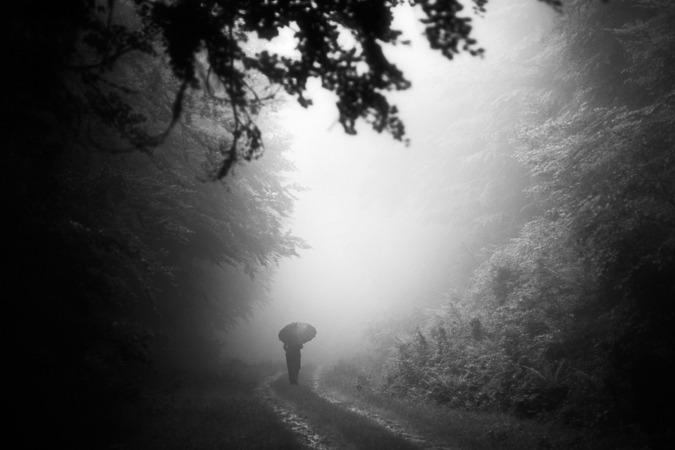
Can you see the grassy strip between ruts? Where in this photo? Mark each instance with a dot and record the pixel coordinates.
(343, 428)
(214, 409)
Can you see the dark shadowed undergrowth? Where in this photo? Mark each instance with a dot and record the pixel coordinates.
(211, 409)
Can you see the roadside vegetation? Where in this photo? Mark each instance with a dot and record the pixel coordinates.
(568, 320)
(364, 385)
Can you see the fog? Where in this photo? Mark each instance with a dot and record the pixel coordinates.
(386, 234)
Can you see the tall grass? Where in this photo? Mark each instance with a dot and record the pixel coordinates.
(456, 428)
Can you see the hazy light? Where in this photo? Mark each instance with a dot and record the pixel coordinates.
(371, 252)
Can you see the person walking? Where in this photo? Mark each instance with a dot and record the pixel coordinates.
(293, 336)
(293, 361)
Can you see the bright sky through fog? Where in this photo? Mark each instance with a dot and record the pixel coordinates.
(368, 258)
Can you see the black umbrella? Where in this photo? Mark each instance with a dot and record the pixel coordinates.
(297, 333)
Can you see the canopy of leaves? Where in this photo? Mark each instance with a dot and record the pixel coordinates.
(339, 42)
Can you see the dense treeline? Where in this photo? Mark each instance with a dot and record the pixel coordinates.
(572, 319)
(121, 261)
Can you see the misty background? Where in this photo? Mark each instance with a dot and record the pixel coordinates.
(389, 225)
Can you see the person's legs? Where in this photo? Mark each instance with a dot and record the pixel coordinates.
(291, 368)
(295, 366)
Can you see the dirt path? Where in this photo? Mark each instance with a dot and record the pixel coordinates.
(390, 424)
(326, 420)
(299, 425)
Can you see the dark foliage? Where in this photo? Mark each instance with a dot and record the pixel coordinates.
(206, 46)
(572, 319)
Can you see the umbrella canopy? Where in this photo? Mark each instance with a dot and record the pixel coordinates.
(297, 333)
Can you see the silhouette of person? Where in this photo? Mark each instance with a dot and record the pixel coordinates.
(293, 361)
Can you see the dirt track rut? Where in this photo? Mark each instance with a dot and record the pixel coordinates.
(310, 437)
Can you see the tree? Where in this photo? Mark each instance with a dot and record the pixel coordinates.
(339, 42)
(602, 156)
(576, 312)
(120, 259)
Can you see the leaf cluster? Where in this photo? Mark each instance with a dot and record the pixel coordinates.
(342, 43)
